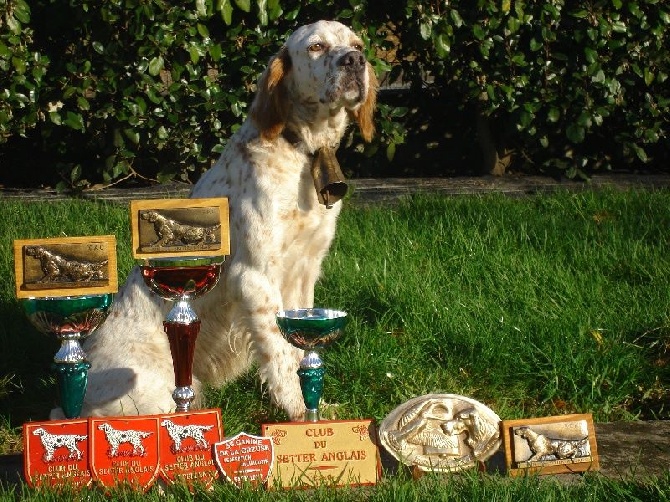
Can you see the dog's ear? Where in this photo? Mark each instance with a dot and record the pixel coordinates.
(271, 107)
(364, 115)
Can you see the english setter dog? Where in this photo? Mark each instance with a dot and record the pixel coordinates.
(314, 86)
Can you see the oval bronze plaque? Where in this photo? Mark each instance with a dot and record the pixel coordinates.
(441, 432)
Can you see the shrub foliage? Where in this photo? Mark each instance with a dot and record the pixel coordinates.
(98, 92)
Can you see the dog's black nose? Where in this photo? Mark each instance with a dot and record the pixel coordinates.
(353, 59)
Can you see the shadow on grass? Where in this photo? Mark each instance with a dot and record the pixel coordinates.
(653, 401)
(27, 386)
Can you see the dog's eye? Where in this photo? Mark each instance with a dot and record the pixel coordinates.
(316, 47)
(358, 47)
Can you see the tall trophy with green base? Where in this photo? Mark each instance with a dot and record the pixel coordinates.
(66, 286)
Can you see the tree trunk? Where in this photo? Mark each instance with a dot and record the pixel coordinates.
(495, 158)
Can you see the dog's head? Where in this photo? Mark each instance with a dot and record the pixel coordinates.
(320, 71)
(35, 251)
(149, 216)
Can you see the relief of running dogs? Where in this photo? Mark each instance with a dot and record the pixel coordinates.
(313, 88)
(170, 232)
(57, 268)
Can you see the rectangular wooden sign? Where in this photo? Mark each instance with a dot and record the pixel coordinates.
(550, 445)
(65, 266)
(326, 452)
(180, 227)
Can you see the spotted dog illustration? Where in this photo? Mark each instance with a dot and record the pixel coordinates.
(170, 232)
(180, 432)
(51, 442)
(545, 448)
(57, 268)
(116, 438)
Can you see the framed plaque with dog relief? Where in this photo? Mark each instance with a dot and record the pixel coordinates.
(550, 445)
(65, 266)
(180, 227)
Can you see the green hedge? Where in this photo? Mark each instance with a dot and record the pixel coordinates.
(99, 92)
(568, 85)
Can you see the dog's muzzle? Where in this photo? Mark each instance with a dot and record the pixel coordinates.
(352, 67)
(353, 61)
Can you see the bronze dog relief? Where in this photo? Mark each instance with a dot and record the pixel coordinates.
(550, 445)
(67, 266)
(180, 227)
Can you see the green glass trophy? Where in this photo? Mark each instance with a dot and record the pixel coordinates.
(66, 286)
(311, 329)
(70, 319)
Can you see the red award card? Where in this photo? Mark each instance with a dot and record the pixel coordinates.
(55, 453)
(245, 458)
(186, 441)
(125, 450)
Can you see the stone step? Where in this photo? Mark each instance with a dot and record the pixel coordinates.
(367, 190)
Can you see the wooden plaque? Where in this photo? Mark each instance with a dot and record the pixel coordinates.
(65, 266)
(180, 227)
(550, 445)
(325, 452)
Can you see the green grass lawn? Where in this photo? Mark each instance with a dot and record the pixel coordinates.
(536, 306)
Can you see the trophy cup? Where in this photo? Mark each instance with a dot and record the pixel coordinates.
(311, 330)
(336, 452)
(70, 319)
(182, 244)
(66, 286)
(181, 280)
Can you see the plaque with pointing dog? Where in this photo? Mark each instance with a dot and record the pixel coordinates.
(550, 445)
(55, 453)
(180, 227)
(186, 442)
(65, 266)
